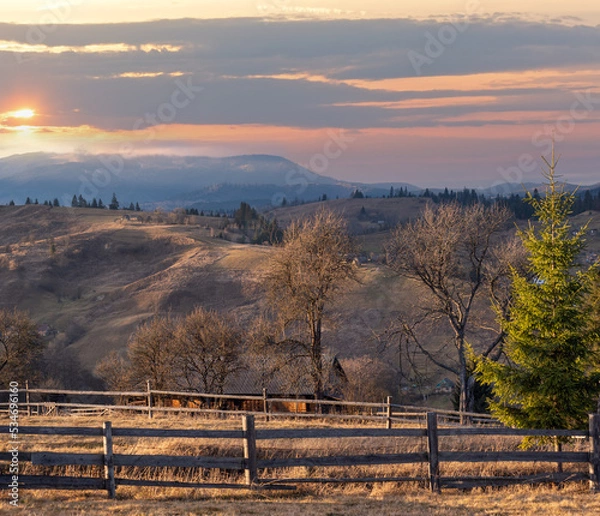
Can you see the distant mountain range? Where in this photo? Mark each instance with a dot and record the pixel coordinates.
(171, 181)
(189, 181)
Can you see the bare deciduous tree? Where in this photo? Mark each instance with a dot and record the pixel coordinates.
(115, 371)
(151, 353)
(506, 257)
(305, 275)
(369, 379)
(449, 250)
(21, 347)
(209, 350)
(198, 352)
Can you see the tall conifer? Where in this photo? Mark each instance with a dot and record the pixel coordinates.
(551, 378)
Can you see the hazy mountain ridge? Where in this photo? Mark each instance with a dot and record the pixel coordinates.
(171, 181)
(191, 181)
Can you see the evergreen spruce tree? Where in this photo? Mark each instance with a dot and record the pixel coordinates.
(551, 379)
(114, 203)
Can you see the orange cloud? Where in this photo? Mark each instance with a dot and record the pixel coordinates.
(496, 81)
(24, 48)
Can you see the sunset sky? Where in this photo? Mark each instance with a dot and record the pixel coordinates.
(436, 93)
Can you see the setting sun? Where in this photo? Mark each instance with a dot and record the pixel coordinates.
(21, 113)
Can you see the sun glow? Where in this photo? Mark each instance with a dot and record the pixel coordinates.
(20, 113)
(10, 120)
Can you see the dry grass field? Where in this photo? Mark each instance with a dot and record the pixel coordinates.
(309, 499)
(380, 500)
(312, 499)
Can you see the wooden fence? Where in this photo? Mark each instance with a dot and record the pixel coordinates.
(151, 402)
(249, 461)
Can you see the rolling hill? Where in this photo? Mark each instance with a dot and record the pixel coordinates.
(94, 276)
(89, 277)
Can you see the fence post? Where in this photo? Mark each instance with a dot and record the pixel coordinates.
(149, 399)
(432, 448)
(265, 404)
(109, 466)
(27, 399)
(594, 468)
(249, 449)
(388, 412)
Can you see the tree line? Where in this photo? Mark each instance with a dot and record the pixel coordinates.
(55, 203)
(81, 202)
(78, 201)
(257, 227)
(516, 203)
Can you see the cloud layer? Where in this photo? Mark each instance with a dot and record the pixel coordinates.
(369, 76)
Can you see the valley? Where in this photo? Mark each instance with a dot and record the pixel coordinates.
(89, 277)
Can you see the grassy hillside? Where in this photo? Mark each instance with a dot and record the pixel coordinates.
(94, 276)
(379, 214)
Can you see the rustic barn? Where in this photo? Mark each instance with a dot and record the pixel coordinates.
(285, 381)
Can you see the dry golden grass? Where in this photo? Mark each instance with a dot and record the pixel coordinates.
(377, 499)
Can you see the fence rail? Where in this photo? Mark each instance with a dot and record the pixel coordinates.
(152, 401)
(249, 462)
